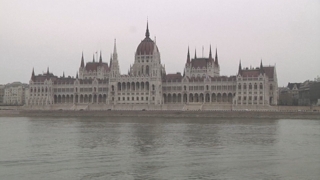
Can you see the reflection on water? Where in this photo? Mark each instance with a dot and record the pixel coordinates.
(157, 148)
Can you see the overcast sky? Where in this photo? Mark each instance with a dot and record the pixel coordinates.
(45, 33)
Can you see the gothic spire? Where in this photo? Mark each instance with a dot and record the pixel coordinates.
(110, 61)
(115, 47)
(48, 70)
(240, 68)
(63, 74)
(261, 67)
(210, 53)
(100, 59)
(77, 76)
(115, 54)
(216, 58)
(195, 54)
(147, 31)
(188, 56)
(93, 58)
(82, 61)
(32, 75)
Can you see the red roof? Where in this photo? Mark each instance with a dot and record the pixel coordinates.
(269, 71)
(173, 77)
(146, 47)
(250, 73)
(63, 80)
(199, 62)
(93, 66)
(43, 77)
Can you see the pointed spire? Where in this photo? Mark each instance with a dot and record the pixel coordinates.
(82, 61)
(261, 67)
(110, 60)
(63, 74)
(32, 75)
(47, 70)
(210, 53)
(195, 54)
(115, 46)
(240, 68)
(93, 60)
(77, 76)
(147, 31)
(100, 59)
(188, 56)
(216, 58)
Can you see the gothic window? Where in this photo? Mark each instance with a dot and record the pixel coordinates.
(147, 70)
(244, 86)
(239, 86)
(260, 86)
(142, 69)
(250, 86)
(255, 86)
(271, 87)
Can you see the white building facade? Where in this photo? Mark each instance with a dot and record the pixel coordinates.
(14, 93)
(100, 85)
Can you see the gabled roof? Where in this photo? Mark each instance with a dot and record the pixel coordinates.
(269, 71)
(93, 66)
(250, 72)
(173, 77)
(64, 80)
(291, 85)
(43, 77)
(199, 62)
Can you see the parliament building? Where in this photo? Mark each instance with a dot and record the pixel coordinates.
(99, 85)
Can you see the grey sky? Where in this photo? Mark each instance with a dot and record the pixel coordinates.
(45, 33)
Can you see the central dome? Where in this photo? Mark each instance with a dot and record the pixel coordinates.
(146, 46)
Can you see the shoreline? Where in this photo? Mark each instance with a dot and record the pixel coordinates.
(164, 114)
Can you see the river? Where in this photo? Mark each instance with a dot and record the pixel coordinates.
(158, 148)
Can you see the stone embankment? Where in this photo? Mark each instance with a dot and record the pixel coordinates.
(165, 114)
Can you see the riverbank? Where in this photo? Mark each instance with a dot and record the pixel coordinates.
(190, 114)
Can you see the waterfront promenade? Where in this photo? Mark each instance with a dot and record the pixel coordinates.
(159, 113)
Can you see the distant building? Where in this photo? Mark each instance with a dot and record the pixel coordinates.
(14, 93)
(309, 93)
(1, 94)
(289, 95)
(100, 85)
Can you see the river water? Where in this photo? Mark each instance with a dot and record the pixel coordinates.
(158, 148)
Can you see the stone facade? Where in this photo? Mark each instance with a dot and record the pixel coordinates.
(100, 85)
(14, 93)
(1, 94)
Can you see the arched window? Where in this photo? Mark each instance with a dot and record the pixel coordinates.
(147, 70)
